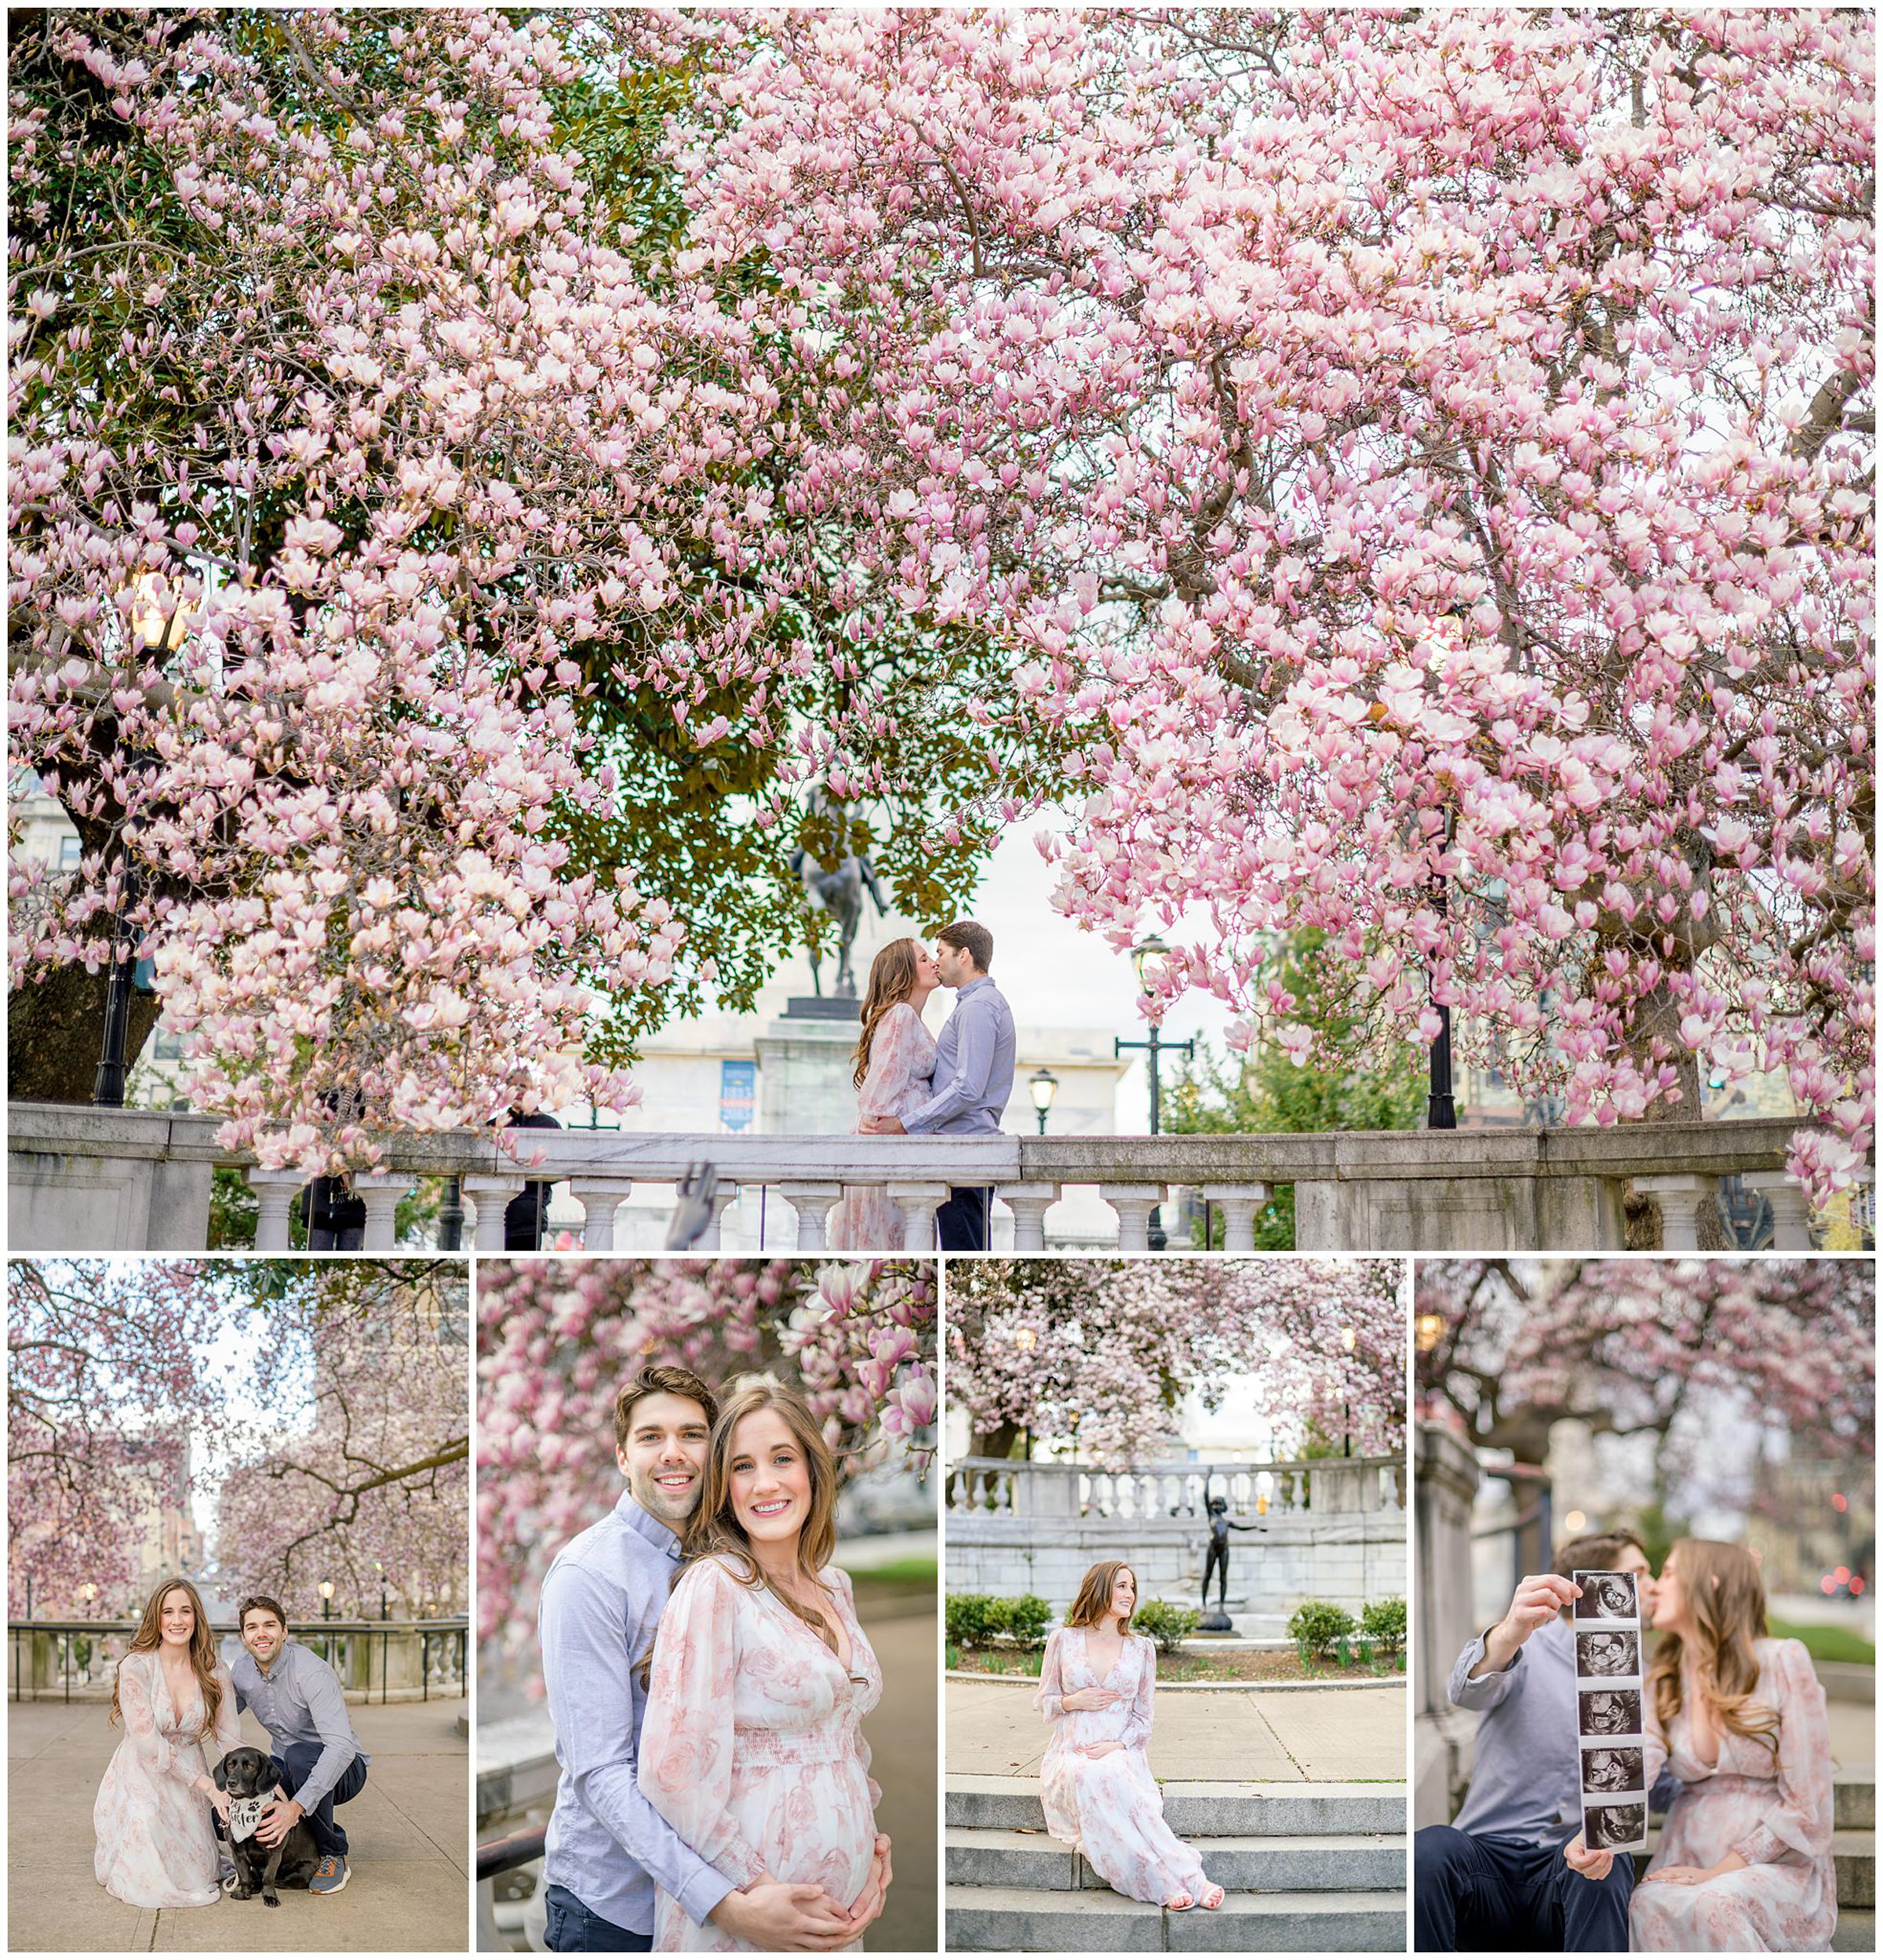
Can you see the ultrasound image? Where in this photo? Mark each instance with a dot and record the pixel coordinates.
(1605, 1596)
(1609, 1772)
(1614, 1826)
(1610, 1711)
(1607, 1654)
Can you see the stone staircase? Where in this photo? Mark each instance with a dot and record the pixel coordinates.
(1307, 1868)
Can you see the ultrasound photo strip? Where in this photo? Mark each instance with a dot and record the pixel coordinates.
(1620, 1827)
(1606, 1627)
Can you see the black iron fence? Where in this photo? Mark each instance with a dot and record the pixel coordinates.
(376, 1659)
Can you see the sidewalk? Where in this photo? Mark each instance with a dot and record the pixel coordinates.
(410, 1829)
(1244, 1734)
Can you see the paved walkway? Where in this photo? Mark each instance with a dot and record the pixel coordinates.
(1243, 1735)
(409, 1829)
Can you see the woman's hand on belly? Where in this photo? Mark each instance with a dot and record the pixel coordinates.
(1095, 1750)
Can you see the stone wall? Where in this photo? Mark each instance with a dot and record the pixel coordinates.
(1445, 1482)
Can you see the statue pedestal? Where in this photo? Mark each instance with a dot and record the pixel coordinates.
(1216, 1623)
(805, 1058)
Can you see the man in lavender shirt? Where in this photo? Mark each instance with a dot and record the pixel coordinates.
(608, 1848)
(973, 1080)
(1512, 1874)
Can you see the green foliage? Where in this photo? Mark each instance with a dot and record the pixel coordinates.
(965, 1617)
(1167, 1624)
(978, 1620)
(1266, 1095)
(1826, 1643)
(1658, 1531)
(234, 1212)
(1384, 1622)
(1317, 1626)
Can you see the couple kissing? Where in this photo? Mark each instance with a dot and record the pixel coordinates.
(910, 1083)
(707, 1678)
(1734, 1731)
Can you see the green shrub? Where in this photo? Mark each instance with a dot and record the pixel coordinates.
(968, 1618)
(1316, 1624)
(1167, 1624)
(978, 1620)
(1385, 1621)
(1024, 1618)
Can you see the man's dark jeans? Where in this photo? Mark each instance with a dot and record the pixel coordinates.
(1473, 1894)
(300, 1757)
(963, 1224)
(574, 1929)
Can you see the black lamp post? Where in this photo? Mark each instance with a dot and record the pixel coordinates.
(1149, 957)
(1346, 1426)
(327, 1599)
(1042, 1085)
(1441, 1111)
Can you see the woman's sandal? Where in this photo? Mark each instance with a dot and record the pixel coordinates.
(1212, 1898)
(1178, 1902)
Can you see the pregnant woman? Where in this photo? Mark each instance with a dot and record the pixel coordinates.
(156, 1846)
(1745, 1862)
(1096, 1688)
(894, 1061)
(752, 1748)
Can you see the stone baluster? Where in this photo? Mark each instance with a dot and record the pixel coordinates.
(1790, 1212)
(599, 1198)
(723, 1196)
(1680, 1194)
(1239, 1204)
(812, 1203)
(1133, 1203)
(381, 1192)
(491, 1194)
(919, 1203)
(1029, 1204)
(274, 1193)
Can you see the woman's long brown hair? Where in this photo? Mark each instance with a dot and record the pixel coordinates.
(892, 980)
(1092, 1604)
(149, 1637)
(719, 1532)
(1726, 1602)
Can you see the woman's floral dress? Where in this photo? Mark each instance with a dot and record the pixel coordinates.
(902, 1065)
(752, 1747)
(156, 1845)
(1109, 1808)
(1774, 1811)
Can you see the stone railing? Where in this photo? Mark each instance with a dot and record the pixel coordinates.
(995, 1486)
(99, 1180)
(376, 1659)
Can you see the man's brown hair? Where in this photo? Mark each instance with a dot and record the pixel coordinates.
(975, 941)
(259, 1603)
(661, 1380)
(1596, 1553)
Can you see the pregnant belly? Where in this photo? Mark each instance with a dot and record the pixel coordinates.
(811, 1826)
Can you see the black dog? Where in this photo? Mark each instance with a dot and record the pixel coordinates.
(248, 1775)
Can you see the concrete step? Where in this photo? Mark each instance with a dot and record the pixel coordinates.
(1001, 1919)
(1854, 1852)
(1201, 1809)
(1041, 1863)
(1856, 1932)
(1854, 1793)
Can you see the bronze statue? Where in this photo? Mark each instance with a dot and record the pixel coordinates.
(839, 890)
(1216, 1560)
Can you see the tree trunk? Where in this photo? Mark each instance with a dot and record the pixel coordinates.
(1659, 1014)
(55, 1029)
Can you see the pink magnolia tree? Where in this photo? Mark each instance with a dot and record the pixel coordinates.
(1655, 1348)
(557, 1339)
(321, 1409)
(110, 1374)
(368, 1488)
(1104, 1352)
(389, 430)
(1427, 456)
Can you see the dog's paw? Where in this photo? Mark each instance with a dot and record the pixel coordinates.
(270, 1899)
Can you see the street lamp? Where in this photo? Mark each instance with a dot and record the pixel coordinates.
(1150, 958)
(1441, 1111)
(1346, 1432)
(327, 1599)
(1043, 1084)
(89, 1593)
(1429, 1330)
